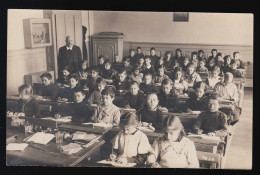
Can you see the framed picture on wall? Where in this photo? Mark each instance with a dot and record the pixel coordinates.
(37, 32)
(180, 16)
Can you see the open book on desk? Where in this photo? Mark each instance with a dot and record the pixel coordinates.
(41, 138)
(127, 165)
(71, 148)
(62, 119)
(16, 146)
(203, 136)
(83, 136)
(98, 125)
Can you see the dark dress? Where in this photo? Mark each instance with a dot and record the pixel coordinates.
(68, 93)
(50, 91)
(170, 102)
(196, 105)
(30, 107)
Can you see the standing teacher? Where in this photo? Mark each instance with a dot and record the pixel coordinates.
(69, 55)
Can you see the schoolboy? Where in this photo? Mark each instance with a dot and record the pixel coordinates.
(137, 147)
(132, 57)
(185, 64)
(150, 114)
(62, 80)
(121, 82)
(236, 72)
(107, 112)
(201, 55)
(213, 78)
(149, 68)
(127, 66)
(168, 62)
(167, 98)
(213, 55)
(93, 76)
(201, 68)
(148, 86)
(134, 99)
(48, 90)
(211, 122)
(153, 56)
(108, 73)
(95, 96)
(160, 75)
(240, 64)
(100, 65)
(117, 64)
(139, 53)
(79, 110)
(191, 76)
(194, 59)
(136, 75)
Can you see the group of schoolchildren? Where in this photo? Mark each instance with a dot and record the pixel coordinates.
(148, 84)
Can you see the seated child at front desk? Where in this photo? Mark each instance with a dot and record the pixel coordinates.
(148, 85)
(192, 76)
(67, 94)
(27, 103)
(79, 110)
(212, 121)
(107, 112)
(130, 145)
(151, 114)
(173, 150)
(134, 99)
(48, 90)
(167, 98)
(228, 91)
(95, 96)
(62, 80)
(197, 100)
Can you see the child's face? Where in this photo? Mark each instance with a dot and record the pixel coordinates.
(214, 74)
(167, 88)
(100, 86)
(132, 54)
(213, 105)
(24, 95)
(65, 73)
(200, 54)
(139, 51)
(211, 63)
(219, 58)
(126, 63)
(117, 58)
(134, 89)
(107, 99)
(136, 72)
(173, 135)
(78, 97)
(129, 129)
(147, 79)
(233, 66)
(190, 70)
(228, 60)
(185, 62)
(228, 79)
(84, 66)
(141, 61)
(199, 92)
(122, 76)
(93, 73)
(107, 66)
(46, 81)
(73, 82)
(161, 72)
(194, 57)
(168, 56)
(152, 52)
(101, 61)
(178, 74)
(161, 61)
(202, 63)
(152, 101)
(236, 56)
(147, 62)
(214, 53)
(178, 53)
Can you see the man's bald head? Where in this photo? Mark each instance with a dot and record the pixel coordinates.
(69, 41)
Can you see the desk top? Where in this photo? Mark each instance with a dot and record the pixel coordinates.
(50, 154)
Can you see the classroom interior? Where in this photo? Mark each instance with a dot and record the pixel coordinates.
(122, 31)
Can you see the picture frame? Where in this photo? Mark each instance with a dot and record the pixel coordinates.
(37, 33)
(181, 16)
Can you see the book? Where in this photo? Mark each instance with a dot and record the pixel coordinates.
(83, 136)
(195, 112)
(41, 138)
(62, 119)
(127, 165)
(71, 148)
(98, 125)
(16, 146)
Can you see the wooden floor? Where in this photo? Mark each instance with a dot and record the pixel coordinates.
(239, 155)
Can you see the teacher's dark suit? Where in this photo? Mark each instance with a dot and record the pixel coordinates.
(69, 57)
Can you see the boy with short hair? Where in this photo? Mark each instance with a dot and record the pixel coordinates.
(62, 80)
(240, 64)
(79, 110)
(236, 72)
(191, 76)
(117, 64)
(194, 59)
(108, 73)
(168, 62)
(121, 82)
(48, 90)
(107, 112)
(211, 122)
(139, 53)
(134, 99)
(185, 65)
(150, 114)
(160, 75)
(213, 79)
(93, 76)
(149, 68)
(201, 67)
(148, 86)
(132, 57)
(95, 96)
(201, 55)
(167, 98)
(153, 56)
(127, 66)
(101, 60)
(141, 64)
(136, 75)
(213, 55)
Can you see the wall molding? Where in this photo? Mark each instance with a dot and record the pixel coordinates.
(24, 52)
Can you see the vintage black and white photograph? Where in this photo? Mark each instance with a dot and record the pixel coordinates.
(90, 88)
